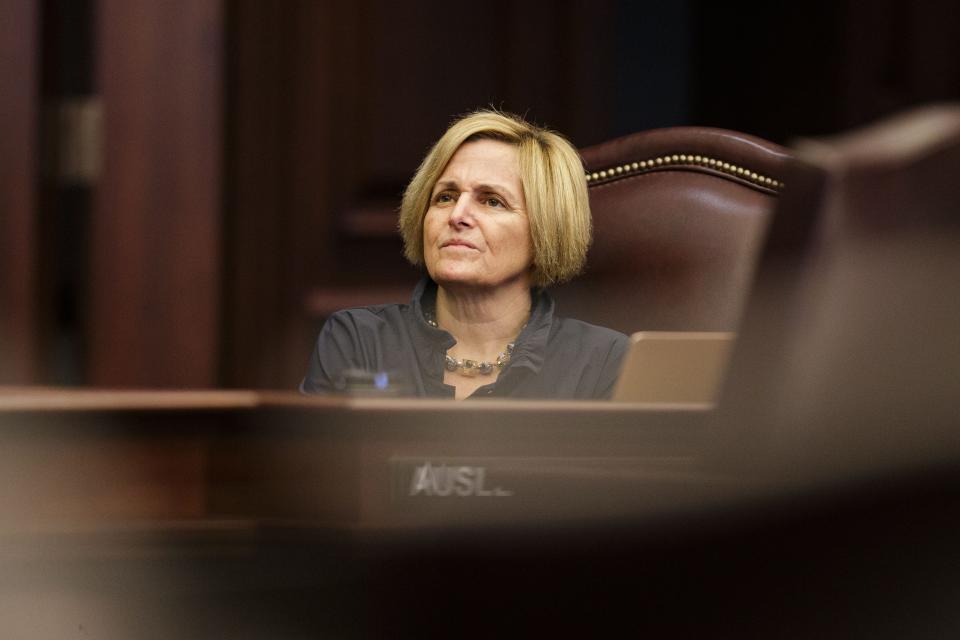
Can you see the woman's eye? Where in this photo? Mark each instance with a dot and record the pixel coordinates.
(443, 198)
(494, 202)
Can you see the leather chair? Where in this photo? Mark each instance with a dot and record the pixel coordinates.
(679, 215)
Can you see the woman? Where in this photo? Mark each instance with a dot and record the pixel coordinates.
(497, 211)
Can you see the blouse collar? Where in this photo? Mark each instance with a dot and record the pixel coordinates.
(433, 342)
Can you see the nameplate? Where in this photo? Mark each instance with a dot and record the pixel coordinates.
(492, 480)
(447, 479)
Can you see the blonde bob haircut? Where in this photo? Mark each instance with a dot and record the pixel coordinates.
(554, 187)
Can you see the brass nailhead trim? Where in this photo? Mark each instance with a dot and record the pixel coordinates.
(713, 163)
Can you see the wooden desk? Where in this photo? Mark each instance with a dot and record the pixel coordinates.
(86, 457)
(197, 515)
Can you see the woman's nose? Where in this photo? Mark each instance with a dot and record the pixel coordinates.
(461, 215)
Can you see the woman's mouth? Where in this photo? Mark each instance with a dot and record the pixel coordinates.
(457, 244)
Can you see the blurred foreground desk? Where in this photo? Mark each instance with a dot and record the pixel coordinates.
(89, 457)
(245, 515)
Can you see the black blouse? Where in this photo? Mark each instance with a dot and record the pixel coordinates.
(393, 343)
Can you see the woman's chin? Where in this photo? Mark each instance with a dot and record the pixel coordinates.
(464, 276)
(456, 279)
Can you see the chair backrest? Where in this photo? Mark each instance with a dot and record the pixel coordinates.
(848, 358)
(679, 215)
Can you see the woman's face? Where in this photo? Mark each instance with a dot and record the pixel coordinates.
(476, 232)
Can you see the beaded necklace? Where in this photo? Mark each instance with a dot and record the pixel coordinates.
(471, 368)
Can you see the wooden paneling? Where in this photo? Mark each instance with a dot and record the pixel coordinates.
(155, 233)
(18, 159)
(283, 109)
(897, 55)
(818, 68)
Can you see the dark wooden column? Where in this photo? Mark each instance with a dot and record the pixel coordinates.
(155, 232)
(18, 159)
(293, 72)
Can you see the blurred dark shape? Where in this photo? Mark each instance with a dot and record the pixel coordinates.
(679, 216)
(849, 355)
